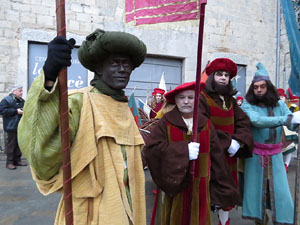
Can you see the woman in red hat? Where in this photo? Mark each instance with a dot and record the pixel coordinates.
(231, 123)
(157, 101)
(169, 151)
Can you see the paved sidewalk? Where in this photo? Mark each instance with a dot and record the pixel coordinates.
(20, 201)
(22, 204)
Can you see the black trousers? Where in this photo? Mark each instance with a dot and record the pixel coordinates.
(12, 148)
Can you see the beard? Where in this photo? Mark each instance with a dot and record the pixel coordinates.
(221, 89)
(261, 99)
(267, 100)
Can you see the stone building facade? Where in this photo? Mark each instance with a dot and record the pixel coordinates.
(244, 31)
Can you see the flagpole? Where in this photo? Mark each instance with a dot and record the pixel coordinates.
(64, 119)
(146, 105)
(147, 98)
(196, 105)
(134, 89)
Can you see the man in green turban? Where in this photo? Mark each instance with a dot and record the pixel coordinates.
(107, 171)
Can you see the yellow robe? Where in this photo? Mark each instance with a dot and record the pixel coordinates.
(99, 195)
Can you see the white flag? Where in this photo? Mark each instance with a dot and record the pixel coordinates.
(144, 107)
(162, 83)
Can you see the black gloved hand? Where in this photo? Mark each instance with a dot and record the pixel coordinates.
(59, 56)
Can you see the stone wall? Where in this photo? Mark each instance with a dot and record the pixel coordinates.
(243, 30)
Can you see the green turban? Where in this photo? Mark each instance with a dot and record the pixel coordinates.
(99, 44)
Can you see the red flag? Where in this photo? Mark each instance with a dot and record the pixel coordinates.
(159, 11)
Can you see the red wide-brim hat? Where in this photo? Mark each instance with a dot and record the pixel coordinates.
(158, 91)
(170, 95)
(222, 64)
(239, 98)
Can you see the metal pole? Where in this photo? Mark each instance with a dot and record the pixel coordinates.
(278, 22)
(284, 70)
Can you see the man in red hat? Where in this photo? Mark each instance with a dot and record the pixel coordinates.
(231, 123)
(169, 150)
(282, 95)
(292, 99)
(157, 101)
(289, 138)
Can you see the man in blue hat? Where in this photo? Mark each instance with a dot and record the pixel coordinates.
(265, 180)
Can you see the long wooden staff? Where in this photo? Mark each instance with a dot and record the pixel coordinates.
(196, 104)
(297, 180)
(64, 119)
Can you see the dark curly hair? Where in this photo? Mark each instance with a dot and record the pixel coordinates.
(270, 99)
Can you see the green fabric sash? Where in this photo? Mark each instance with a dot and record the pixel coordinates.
(118, 95)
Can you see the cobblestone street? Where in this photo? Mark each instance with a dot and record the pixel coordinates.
(22, 204)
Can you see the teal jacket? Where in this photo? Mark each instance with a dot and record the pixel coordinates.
(266, 123)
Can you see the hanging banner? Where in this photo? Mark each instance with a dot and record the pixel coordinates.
(159, 11)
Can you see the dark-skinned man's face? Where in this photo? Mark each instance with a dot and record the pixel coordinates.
(116, 71)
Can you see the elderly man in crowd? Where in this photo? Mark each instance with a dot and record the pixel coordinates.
(11, 109)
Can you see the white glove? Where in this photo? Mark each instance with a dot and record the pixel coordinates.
(193, 150)
(234, 147)
(296, 117)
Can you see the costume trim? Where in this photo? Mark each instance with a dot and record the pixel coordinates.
(200, 188)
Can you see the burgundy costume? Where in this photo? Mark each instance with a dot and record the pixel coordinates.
(168, 160)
